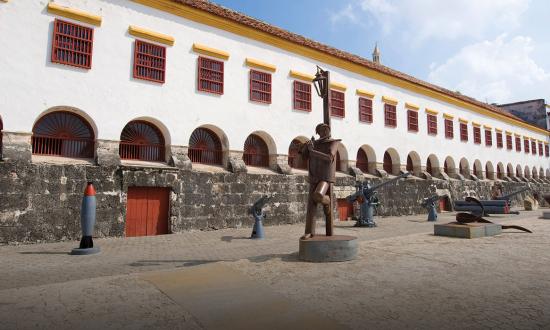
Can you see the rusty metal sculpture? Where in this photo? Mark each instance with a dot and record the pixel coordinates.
(321, 156)
(466, 218)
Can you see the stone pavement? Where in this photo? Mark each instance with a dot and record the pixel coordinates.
(404, 278)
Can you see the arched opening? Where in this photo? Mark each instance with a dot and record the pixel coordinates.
(432, 165)
(478, 170)
(489, 171)
(338, 162)
(256, 152)
(205, 147)
(500, 171)
(464, 167)
(509, 170)
(519, 171)
(391, 162)
(341, 158)
(141, 140)
(547, 173)
(526, 172)
(449, 166)
(366, 159)
(541, 173)
(413, 163)
(534, 173)
(63, 133)
(295, 159)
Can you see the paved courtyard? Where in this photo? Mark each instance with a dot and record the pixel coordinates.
(404, 278)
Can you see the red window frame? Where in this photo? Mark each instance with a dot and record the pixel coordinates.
(546, 150)
(260, 86)
(526, 146)
(508, 141)
(518, 144)
(210, 75)
(390, 115)
(337, 103)
(540, 149)
(488, 137)
(412, 120)
(149, 61)
(432, 124)
(477, 135)
(463, 132)
(365, 110)
(302, 96)
(533, 147)
(72, 44)
(449, 128)
(499, 140)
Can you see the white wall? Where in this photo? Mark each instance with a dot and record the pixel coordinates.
(30, 84)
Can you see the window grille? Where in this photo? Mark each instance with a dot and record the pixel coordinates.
(518, 144)
(365, 110)
(508, 142)
(260, 86)
(477, 135)
(526, 146)
(546, 150)
(205, 147)
(449, 129)
(488, 138)
(499, 140)
(362, 162)
(337, 103)
(540, 149)
(533, 147)
(390, 115)
(302, 96)
(463, 132)
(210, 75)
(256, 152)
(295, 159)
(432, 124)
(141, 140)
(149, 61)
(72, 44)
(412, 121)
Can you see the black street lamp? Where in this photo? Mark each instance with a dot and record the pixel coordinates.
(322, 83)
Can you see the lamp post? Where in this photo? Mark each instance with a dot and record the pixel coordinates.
(322, 86)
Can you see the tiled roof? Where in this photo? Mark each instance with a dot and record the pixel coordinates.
(237, 17)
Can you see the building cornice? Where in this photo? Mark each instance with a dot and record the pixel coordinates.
(151, 35)
(73, 13)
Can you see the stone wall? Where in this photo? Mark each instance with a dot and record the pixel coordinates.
(41, 202)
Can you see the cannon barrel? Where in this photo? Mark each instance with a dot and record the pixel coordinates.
(404, 175)
(260, 203)
(429, 200)
(507, 196)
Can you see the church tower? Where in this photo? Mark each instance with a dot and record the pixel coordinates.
(376, 54)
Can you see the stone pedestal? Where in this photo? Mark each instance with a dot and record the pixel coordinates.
(328, 248)
(472, 230)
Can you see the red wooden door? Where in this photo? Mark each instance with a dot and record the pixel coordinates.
(147, 211)
(345, 209)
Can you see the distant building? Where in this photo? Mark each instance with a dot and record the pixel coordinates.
(532, 111)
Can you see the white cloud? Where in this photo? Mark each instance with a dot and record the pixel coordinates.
(498, 71)
(422, 20)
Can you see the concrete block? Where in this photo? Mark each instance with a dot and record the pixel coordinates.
(473, 230)
(322, 248)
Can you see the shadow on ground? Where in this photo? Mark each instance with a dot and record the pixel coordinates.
(292, 257)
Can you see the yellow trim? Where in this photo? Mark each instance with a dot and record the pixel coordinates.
(389, 100)
(301, 75)
(202, 49)
(411, 106)
(151, 35)
(225, 24)
(431, 111)
(338, 86)
(447, 116)
(72, 13)
(487, 127)
(548, 105)
(498, 130)
(260, 65)
(517, 135)
(462, 120)
(362, 92)
(476, 124)
(508, 133)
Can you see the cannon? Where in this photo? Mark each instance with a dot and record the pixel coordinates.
(429, 203)
(259, 215)
(499, 205)
(367, 197)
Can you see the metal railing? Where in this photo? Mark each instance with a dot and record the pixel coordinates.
(205, 156)
(54, 146)
(146, 152)
(259, 160)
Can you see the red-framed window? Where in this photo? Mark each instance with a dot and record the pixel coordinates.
(72, 44)
(412, 120)
(533, 147)
(365, 110)
(149, 61)
(302, 96)
(488, 138)
(141, 140)
(540, 149)
(256, 152)
(337, 103)
(463, 132)
(260, 86)
(449, 128)
(477, 135)
(518, 144)
(546, 150)
(210, 75)
(526, 146)
(390, 115)
(508, 141)
(499, 140)
(205, 147)
(432, 124)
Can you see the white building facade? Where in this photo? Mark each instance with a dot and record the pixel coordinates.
(104, 83)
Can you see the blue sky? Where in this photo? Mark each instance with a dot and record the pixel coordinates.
(493, 50)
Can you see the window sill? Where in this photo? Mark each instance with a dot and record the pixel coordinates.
(61, 160)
